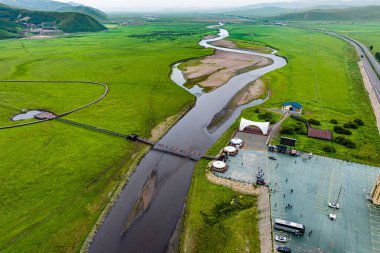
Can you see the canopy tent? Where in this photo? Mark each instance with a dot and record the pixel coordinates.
(264, 126)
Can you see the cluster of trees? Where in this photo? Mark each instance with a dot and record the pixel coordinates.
(351, 124)
(298, 128)
(267, 116)
(314, 122)
(162, 35)
(329, 149)
(377, 54)
(345, 142)
(342, 130)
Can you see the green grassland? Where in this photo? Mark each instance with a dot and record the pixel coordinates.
(323, 76)
(55, 179)
(214, 222)
(366, 13)
(367, 33)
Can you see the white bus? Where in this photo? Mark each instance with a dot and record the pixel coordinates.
(288, 226)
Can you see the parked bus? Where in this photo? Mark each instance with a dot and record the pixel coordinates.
(288, 226)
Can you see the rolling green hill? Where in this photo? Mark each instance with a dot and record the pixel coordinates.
(49, 5)
(12, 21)
(371, 13)
(266, 11)
(95, 13)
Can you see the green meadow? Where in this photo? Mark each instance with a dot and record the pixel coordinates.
(55, 179)
(367, 33)
(323, 75)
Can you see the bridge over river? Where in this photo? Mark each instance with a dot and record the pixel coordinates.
(154, 227)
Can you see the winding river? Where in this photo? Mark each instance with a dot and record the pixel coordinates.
(153, 229)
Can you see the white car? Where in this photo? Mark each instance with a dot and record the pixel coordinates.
(332, 216)
(333, 205)
(280, 238)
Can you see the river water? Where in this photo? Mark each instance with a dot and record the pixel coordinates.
(154, 228)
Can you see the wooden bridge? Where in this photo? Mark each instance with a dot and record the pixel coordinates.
(190, 154)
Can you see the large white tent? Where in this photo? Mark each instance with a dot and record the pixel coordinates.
(264, 126)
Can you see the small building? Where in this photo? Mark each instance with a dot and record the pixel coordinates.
(375, 194)
(292, 107)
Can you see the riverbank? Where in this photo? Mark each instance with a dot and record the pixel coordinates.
(208, 193)
(157, 133)
(218, 219)
(211, 72)
(175, 173)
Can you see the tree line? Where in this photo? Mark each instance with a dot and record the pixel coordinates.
(377, 54)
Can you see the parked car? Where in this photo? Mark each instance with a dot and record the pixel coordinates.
(261, 183)
(284, 249)
(333, 205)
(272, 157)
(280, 238)
(310, 155)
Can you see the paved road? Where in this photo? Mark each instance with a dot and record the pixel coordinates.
(372, 70)
(369, 55)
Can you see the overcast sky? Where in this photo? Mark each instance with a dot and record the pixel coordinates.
(162, 4)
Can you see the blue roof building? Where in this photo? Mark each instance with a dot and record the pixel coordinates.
(292, 106)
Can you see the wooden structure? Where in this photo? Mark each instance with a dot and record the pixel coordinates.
(319, 134)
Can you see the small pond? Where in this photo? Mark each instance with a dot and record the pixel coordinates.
(27, 115)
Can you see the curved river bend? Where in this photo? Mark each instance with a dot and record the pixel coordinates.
(154, 228)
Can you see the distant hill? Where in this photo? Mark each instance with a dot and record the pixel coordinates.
(313, 4)
(49, 5)
(369, 13)
(13, 20)
(267, 11)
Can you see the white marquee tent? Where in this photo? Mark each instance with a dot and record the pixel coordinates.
(264, 126)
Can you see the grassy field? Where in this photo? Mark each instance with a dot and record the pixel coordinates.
(218, 219)
(367, 33)
(323, 76)
(55, 179)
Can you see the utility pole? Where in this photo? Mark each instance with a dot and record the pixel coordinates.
(332, 216)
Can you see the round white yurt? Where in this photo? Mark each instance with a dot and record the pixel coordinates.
(236, 142)
(219, 166)
(230, 150)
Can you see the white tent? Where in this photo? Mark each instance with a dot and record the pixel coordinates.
(264, 126)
